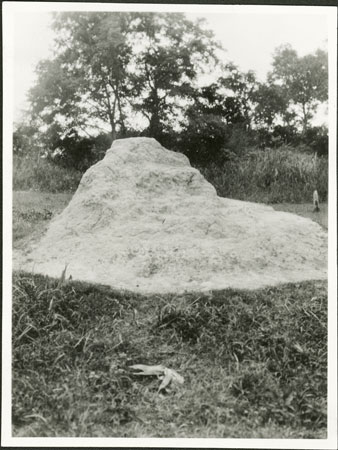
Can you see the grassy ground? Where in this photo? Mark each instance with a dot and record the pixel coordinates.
(32, 212)
(254, 362)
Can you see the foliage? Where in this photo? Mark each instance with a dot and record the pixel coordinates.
(214, 126)
(317, 139)
(304, 80)
(243, 87)
(203, 138)
(270, 104)
(109, 66)
(171, 52)
(24, 138)
(270, 176)
(286, 134)
(142, 70)
(284, 174)
(237, 112)
(73, 345)
(43, 175)
(116, 68)
(80, 152)
(86, 81)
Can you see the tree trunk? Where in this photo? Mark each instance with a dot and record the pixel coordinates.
(113, 131)
(123, 127)
(113, 121)
(304, 120)
(111, 113)
(155, 127)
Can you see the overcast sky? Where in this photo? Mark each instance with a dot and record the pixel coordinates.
(249, 41)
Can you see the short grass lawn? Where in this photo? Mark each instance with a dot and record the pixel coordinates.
(253, 362)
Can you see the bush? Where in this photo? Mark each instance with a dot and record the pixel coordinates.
(284, 135)
(318, 140)
(79, 152)
(271, 176)
(43, 175)
(240, 139)
(203, 139)
(23, 139)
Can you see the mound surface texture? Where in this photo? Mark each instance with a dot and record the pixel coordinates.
(144, 220)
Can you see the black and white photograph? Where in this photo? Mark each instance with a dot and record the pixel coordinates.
(169, 225)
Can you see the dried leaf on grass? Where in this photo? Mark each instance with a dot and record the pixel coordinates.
(168, 376)
(148, 370)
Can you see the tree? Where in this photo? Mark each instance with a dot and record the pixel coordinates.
(317, 139)
(23, 137)
(203, 138)
(303, 80)
(241, 87)
(270, 105)
(107, 65)
(80, 152)
(212, 99)
(86, 83)
(171, 52)
(211, 124)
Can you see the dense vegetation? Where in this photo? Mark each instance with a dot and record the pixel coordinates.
(116, 75)
(268, 176)
(43, 175)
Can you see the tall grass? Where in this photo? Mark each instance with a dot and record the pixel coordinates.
(43, 175)
(271, 176)
(267, 176)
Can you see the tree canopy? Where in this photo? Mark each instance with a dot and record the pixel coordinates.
(303, 80)
(86, 82)
(130, 73)
(107, 64)
(172, 51)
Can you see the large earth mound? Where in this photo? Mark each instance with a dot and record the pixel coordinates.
(144, 220)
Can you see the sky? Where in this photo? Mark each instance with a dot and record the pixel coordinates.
(248, 38)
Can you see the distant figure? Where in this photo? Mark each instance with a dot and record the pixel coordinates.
(315, 202)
